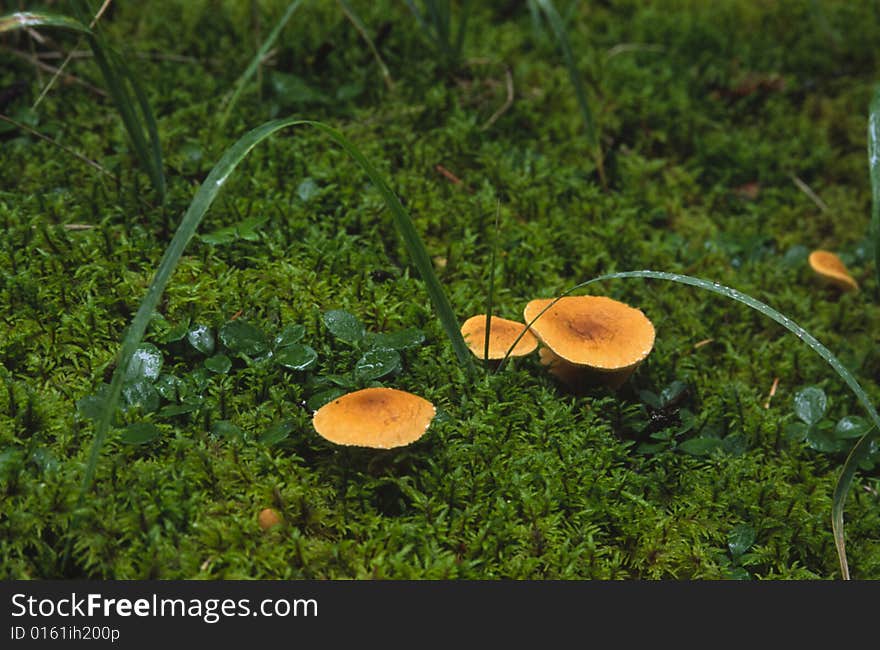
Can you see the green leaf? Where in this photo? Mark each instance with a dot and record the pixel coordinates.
(196, 381)
(377, 363)
(242, 337)
(810, 405)
(146, 363)
(226, 429)
(735, 444)
(179, 409)
(345, 381)
(140, 394)
(796, 431)
(290, 335)
(296, 357)
(292, 91)
(739, 573)
(673, 392)
(401, 340)
(247, 229)
(795, 257)
(823, 440)
(700, 446)
(140, 433)
(651, 399)
(176, 333)
(344, 325)
(318, 400)
(91, 406)
(201, 338)
(167, 386)
(219, 363)
(276, 433)
(851, 426)
(740, 539)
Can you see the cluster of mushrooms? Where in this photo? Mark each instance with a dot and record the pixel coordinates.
(580, 339)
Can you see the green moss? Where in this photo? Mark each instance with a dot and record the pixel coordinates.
(516, 478)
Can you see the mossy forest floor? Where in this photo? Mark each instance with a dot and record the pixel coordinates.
(734, 140)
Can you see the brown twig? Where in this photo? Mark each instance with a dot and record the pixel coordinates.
(353, 19)
(67, 60)
(76, 154)
(772, 392)
(35, 60)
(452, 178)
(508, 102)
(806, 189)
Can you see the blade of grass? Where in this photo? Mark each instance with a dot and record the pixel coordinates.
(119, 81)
(359, 26)
(860, 452)
(436, 23)
(116, 75)
(255, 62)
(202, 200)
(63, 66)
(580, 91)
(155, 152)
(862, 446)
(414, 246)
(874, 164)
(490, 294)
(25, 19)
(458, 46)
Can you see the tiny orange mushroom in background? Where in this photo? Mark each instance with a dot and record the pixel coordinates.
(381, 418)
(832, 270)
(591, 338)
(268, 517)
(502, 334)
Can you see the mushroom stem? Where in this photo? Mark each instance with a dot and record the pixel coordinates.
(581, 378)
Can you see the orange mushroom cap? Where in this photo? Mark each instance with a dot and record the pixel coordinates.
(593, 331)
(830, 267)
(268, 517)
(374, 417)
(502, 334)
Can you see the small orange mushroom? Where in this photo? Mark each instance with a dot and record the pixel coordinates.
(381, 418)
(591, 338)
(268, 517)
(502, 334)
(831, 269)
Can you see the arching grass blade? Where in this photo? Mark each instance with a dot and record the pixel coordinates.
(874, 166)
(25, 19)
(580, 91)
(359, 26)
(255, 62)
